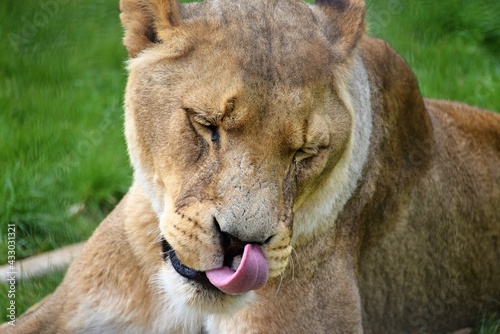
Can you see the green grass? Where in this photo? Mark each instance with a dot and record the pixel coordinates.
(63, 163)
(63, 156)
(490, 325)
(453, 46)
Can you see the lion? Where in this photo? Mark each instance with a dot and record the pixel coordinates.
(288, 178)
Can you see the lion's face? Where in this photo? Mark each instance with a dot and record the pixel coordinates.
(230, 127)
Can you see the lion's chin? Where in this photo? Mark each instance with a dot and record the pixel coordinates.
(192, 275)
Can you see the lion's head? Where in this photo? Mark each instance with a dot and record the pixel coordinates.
(238, 116)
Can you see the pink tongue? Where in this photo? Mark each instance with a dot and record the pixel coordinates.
(250, 275)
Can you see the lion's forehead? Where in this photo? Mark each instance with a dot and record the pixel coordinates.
(278, 41)
(275, 58)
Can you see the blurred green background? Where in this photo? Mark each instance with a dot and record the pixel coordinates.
(63, 162)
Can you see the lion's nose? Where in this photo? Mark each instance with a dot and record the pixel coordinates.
(241, 234)
(233, 244)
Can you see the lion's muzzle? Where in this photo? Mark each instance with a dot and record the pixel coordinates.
(245, 267)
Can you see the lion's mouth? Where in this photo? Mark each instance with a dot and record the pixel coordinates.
(248, 271)
(197, 276)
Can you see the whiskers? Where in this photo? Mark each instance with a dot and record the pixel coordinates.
(156, 231)
(291, 261)
(279, 285)
(157, 239)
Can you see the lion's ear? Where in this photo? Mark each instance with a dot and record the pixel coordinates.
(147, 21)
(345, 22)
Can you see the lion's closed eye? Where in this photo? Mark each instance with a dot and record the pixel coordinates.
(306, 152)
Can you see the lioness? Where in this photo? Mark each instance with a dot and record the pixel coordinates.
(289, 178)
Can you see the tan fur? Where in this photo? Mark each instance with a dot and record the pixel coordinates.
(377, 210)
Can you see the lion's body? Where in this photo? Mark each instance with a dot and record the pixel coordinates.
(392, 211)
